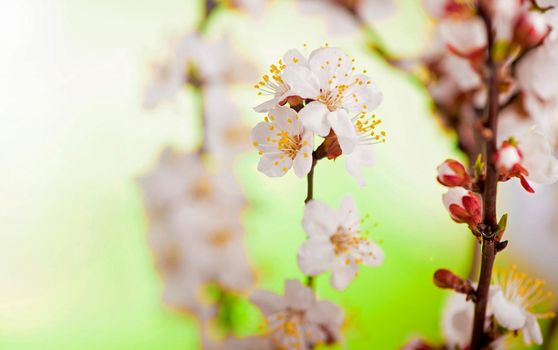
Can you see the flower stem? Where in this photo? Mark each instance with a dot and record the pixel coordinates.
(490, 225)
(310, 183)
(550, 334)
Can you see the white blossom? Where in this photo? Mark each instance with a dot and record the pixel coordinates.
(513, 301)
(273, 84)
(283, 143)
(335, 243)
(335, 92)
(297, 320)
(194, 229)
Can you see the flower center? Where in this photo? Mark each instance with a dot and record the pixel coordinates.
(334, 98)
(343, 241)
(220, 238)
(289, 144)
(202, 189)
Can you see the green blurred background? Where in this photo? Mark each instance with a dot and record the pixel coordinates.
(75, 269)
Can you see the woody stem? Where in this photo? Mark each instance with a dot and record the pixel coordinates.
(489, 226)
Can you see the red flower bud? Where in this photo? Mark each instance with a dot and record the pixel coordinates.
(530, 29)
(463, 205)
(452, 173)
(446, 279)
(508, 163)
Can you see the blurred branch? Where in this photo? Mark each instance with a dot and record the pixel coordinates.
(209, 7)
(550, 333)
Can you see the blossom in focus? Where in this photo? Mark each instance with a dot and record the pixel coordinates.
(515, 301)
(452, 173)
(273, 83)
(335, 93)
(283, 143)
(463, 205)
(297, 320)
(335, 243)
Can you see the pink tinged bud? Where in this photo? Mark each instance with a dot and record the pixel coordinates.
(463, 205)
(530, 29)
(452, 173)
(508, 157)
(508, 163)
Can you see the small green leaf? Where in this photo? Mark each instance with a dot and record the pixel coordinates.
(479, 166)
(503, 223)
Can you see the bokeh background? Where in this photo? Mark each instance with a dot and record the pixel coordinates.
(75, 269)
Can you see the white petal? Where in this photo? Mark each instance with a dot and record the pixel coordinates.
(454, 195)
(301, 80)
(314, 118)
(325, 312)
(315, 256)
(319, 219)
(362, 155)
(303, 162)
(372, 254)
(273, 166)
(268, 105)
(342, 273)
(538, 158)
(507, 314)
(349, 215)
(532, 331)
(297, 296)
(329, 64)
(268, 302)
(294, 57)
(344, 129)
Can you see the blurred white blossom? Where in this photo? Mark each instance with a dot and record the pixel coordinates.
(335, 243)
(297, 320)
(194, 229)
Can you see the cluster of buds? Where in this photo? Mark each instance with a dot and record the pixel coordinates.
(463, 205)
(508, 163)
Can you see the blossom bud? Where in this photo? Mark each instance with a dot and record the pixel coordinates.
(446, 279)
(508, 163)
(530, 29)
(463, 205)
(331, 146)
(452, 173)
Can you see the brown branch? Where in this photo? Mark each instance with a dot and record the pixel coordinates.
(310, 182)
(550, 334)
(489, 227)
